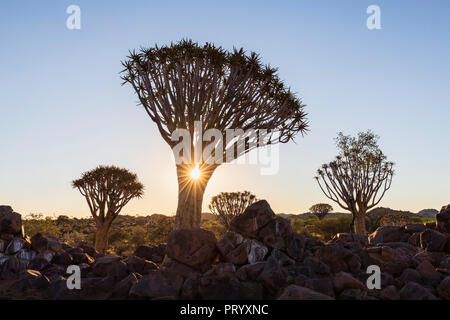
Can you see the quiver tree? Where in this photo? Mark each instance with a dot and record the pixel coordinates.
(185, 85)
(320, 210)
(107, 189)
(227, 205)
(358, 178)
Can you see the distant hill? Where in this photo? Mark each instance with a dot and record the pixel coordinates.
(310, 215)
(428, 213)
(375, 213)
(381, 211)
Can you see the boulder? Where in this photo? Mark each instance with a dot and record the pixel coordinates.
(388, 234)
(229, 242)
(12, 267)
(157, 284)
(26, 255)
(444, 288)
(294, 292)
(193, 247)
(414, 291)
(389, 293)
(83, 257)
(40, 243)
(122, 288)
(338, 258)
(110, 266)
(63, 258)
(15, 245)
(316, 267)
(10, 222)
(410, 275)
(31, 279)
(89, 249)
(249, 251)
(429, 273)
(275, 233)
(220, 283)
(391, 260)
(254, 218)
(3, 245)
(250, 271)
(414, 228)
(174, 266)
(323, 285)
(344, 280)
(155, 253)
(443, 219)
(139, 265)
(433, 240)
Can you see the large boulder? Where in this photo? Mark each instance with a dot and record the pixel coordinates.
(110, 266)
(443, 219)
(433, 240)
(249, 251)
(155, 253)
(428, 273)
(388, 234)
(275, 233)
(444, 288)
(193, 247)
(139, 265)
(414, 291)
(40, 243)
(339, 258)
(344, 280)
(255, 217)
(220, 283)
(158, 284)
(391, 260)
(15, 245)
(10, 222)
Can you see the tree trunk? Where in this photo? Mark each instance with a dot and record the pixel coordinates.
(190, 195)
(360, 223)
(101, 237)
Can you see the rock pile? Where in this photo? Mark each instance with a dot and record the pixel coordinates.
(260, 257)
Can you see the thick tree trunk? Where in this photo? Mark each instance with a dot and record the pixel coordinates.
(101, 237)
(360, 223)
(190, 195)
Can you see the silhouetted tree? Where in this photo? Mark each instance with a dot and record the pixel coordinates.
(320, 210)
(107, 190)
(184, 83)
(227, 205)
(358, 178)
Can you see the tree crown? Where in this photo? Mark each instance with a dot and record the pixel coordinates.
(321, 208)
(186, 82)
(108, 189)
(359, 176)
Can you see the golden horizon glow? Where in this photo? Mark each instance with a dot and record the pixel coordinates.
(195, 173)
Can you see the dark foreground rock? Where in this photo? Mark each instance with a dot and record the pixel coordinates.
(260, 257)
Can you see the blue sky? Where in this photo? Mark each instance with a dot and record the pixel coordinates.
(64, 111)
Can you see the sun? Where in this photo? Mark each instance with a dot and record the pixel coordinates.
(195, 173)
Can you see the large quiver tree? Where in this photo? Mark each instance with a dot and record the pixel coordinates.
(184, 83)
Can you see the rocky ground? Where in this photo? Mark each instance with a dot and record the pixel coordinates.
(261, 257)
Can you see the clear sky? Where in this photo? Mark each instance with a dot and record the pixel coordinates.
(64, 111)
